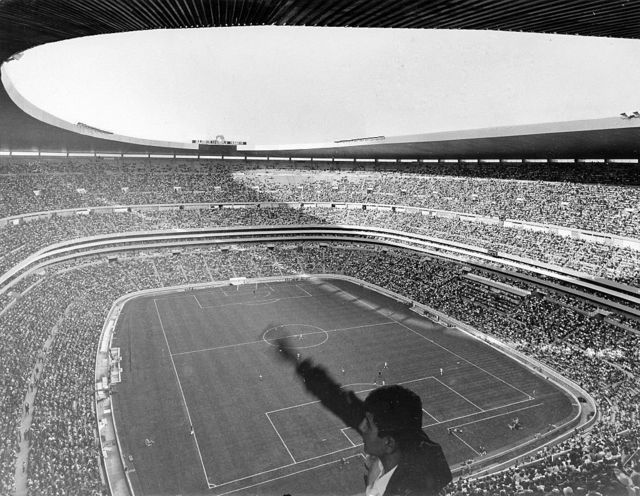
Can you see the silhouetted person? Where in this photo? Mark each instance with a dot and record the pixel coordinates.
(401, 460)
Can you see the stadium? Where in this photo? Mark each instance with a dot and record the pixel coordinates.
(146, 282)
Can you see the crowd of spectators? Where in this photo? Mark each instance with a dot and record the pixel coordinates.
(620, 264)
(603, 364)
(588, 462)
(606, 208)
(597, 350)
(23, 328)
(89, 184)
(64, 455)
(575, 201)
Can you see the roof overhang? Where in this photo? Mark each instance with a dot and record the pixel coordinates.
(28, 23)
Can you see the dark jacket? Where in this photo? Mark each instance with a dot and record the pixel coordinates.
(423, 470)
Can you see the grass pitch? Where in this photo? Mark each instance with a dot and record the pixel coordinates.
(206, 408)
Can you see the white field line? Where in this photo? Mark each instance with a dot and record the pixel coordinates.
(461, 395)
(302, 289)
(280, 286)
(268, 302)
(346, 385)
(511, 412)
(360, 444)
(438, 422)
(487, 418)
(327, 454)
(443, 347)
(293, 406)
(343, 430)
(237, 292)
(467, 444)
(225, 289)
(184, 401)
(434, 418)
(272, 300)
(353, 445)
(299, 462)
(280, 477)
(262, 340)
(461, 358)
(280, 437)
(477, 413)
(217, 348)
(260, 293)
(197, 301)
(392, 321)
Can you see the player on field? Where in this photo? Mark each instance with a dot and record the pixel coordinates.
(380, 379)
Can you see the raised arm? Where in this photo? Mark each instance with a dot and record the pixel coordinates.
(342, 403)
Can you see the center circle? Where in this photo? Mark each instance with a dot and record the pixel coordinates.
(300, 336)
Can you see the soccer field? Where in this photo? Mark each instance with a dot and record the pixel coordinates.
(205, 407)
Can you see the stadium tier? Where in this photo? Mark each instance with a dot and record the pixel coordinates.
(145, 286)
(454, 260)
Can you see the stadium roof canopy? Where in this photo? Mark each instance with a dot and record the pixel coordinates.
(28, 23)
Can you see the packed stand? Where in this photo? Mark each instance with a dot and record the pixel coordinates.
(605, 208)
(21, 241)
(583, 198)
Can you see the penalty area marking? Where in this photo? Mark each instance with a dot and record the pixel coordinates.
(410, 329)
(456, 434)
(344, 432)
(476, 413)
(213, 486)
(461, 395)
(459, 357)
(280, 437)
(264, 287)
(263, 292)
(353, 445)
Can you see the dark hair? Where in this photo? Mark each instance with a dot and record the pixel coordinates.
(397, 412)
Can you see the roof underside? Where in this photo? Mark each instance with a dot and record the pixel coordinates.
(28, 23)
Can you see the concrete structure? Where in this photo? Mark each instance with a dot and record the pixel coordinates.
(28, 23)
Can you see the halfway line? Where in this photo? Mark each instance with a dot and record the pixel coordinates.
(262, 340)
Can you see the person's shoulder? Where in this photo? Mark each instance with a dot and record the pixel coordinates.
(423, 470)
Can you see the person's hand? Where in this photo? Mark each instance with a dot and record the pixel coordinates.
(283, 350)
